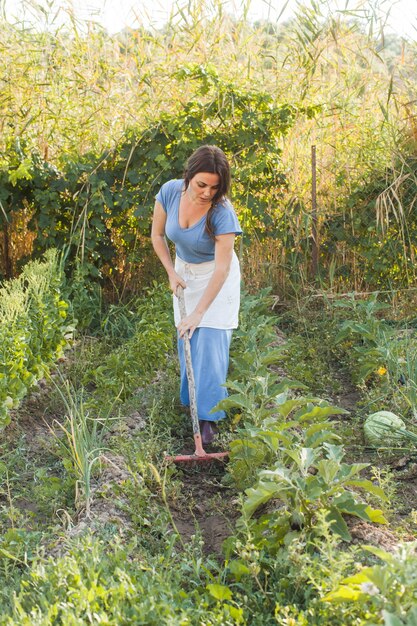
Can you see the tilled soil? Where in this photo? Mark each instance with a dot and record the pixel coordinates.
(207, 507)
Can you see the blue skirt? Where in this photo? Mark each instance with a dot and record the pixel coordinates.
(210, 359)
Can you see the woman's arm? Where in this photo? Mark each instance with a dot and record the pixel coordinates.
(223, 252)
(161, 247)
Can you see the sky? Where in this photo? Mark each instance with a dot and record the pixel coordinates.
(115, 15)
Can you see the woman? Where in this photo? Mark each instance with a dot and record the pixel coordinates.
(195, 214)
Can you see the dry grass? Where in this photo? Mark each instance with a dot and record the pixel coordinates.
(73, 89)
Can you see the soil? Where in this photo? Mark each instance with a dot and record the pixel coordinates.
(207, 507)
(349, 396)
(375, 535)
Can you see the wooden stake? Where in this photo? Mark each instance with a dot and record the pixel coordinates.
(314, 228)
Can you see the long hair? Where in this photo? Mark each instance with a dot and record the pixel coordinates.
(212, 160)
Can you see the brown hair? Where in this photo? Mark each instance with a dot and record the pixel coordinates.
(212, 160)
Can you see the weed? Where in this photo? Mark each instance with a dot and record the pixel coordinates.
(389, 588)
(384, 477)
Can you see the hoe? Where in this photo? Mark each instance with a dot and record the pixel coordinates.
(199, 455)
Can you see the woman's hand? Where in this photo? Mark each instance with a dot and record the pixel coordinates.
(189, 324)
(174, 281)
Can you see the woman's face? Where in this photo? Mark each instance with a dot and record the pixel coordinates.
(203, 187)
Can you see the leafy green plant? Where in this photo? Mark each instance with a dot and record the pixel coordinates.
(253, 349)
(33, 329)
(401, 374)
(388, 589)
(370, 335)
(381, 351)
(85, 298)
(315, 479)
(286, 586)
(135, 361)
(286, 456)
(118, 584)
(285, 423)
(260, 396)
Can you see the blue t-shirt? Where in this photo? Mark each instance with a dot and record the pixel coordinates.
(194, 244)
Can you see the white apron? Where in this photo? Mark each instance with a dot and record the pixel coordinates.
(223, 312)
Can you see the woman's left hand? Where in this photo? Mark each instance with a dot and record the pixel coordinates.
(189, 324)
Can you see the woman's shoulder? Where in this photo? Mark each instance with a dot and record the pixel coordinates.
(175, 184)
(169, 191)
(224, 206)
(225, 218)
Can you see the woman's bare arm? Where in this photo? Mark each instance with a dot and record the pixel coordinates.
(223, 253)
(160, 246)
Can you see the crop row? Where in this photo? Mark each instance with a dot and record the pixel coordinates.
(33, 329)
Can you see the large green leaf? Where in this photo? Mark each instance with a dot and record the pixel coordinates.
(273, 439)
(236, 400)
(246, 450)
(339, 525)
(272, 356)
(219, 592)
(375, 515)
(347, 471)
(311, 413)
(382, 554)
(303, 457)
(393, 620)
(327, 469)
(334, 453)
(279, 473)
(346, 503)
(286, 407)
(368, 486)
(316, 434)
(287, 383)
(258, 495)
(238, 568)
(343, 594)
(314, 487)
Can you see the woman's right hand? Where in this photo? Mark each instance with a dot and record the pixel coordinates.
(175, 280)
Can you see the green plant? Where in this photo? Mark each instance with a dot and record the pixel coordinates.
(384, 352)
(283, 424)
(386, 479)
(135, 361)
(253, 349)
(82, 442)
(85, 298)
(118, 584)
(388, 589)
(33, 329)
(286, 586)
(402, 369)
(286, 457)
(314, 479)
(372, 336)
